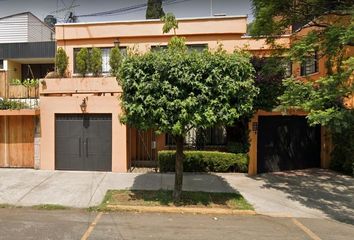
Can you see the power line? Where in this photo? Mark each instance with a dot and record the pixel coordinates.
(124, 10)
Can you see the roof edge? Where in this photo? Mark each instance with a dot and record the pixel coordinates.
(154, 20)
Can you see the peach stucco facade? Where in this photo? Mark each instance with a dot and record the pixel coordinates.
(141, 35)
(65, 95)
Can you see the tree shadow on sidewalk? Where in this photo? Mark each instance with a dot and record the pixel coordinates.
(199, 189)
(201, 182)
(325, 190)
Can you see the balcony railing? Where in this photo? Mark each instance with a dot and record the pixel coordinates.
(18, 104)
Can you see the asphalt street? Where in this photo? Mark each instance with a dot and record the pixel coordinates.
(26, 223)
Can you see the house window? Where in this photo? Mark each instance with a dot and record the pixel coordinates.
(310, 65)
(288, 67)
(1, 64)
(105, 57)
(191, 47)
(215, 136)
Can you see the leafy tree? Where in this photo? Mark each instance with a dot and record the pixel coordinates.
(329, 32)
(115, 59)
(170, 23)
(96, 62)
(61, 61)
(83, 61)
(154, 9)
(173, 91)
(269, 73)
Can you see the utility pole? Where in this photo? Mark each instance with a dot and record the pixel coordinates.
(211, 8)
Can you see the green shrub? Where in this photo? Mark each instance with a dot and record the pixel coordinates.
(204, 161)
(115, 59)
(342, 156)
(12, 105)
(83, 61)
(96, 62)
(61, 62)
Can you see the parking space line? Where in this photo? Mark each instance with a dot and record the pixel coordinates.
(311, 234)
(91, 227)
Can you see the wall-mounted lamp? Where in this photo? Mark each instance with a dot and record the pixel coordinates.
(83, 105)
(255, 127)
(116, 42)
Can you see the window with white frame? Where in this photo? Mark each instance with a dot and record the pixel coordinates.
(310, 65)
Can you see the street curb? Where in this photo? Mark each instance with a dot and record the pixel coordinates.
(154, 209)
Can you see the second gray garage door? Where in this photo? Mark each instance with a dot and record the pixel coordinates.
(83, 142)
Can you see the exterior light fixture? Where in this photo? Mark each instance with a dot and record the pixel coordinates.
(116, 42)
(83, 105)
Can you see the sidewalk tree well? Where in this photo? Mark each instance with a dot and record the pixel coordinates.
(173, 91)
(325, 29)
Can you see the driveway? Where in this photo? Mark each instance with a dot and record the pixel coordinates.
(308, 193)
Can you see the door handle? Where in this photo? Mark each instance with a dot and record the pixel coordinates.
(79, 146)
(87, 143)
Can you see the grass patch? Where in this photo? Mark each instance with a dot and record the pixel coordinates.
(50, 207)
(5, 205)
(232, 201)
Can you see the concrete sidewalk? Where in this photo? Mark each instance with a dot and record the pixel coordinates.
(311, 193)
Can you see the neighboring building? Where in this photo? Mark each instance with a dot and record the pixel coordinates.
(27, 50)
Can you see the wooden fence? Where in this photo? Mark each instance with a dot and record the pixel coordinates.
(17, 141)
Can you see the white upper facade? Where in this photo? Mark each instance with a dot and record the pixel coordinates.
(24, 27)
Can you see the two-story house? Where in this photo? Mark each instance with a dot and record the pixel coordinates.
(80, 128)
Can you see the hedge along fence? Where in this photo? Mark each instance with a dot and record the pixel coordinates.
(204, 161)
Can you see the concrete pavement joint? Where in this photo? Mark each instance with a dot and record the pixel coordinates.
(27, 193)
(311, 234)
(98, 185)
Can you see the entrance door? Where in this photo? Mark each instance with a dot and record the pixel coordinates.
(83, 142)
(287, 143)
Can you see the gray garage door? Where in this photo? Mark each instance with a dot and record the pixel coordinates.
(83, 142)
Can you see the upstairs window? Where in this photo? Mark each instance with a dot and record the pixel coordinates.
(106, 51)
(310, 65)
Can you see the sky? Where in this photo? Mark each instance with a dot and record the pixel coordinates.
(181, 8)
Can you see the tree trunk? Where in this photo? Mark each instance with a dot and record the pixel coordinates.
(179, 169)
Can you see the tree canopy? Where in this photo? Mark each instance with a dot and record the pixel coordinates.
(154, 9)
(322, 28)
(172, 91)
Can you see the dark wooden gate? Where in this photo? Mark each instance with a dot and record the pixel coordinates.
(287, 143)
